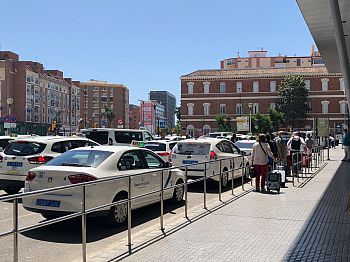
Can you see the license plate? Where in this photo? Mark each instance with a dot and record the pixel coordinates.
(48, 203)
(189, 162)
(15, 164)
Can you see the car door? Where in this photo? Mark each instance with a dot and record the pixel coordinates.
(239, 160)
(226, 155)
(133, 163)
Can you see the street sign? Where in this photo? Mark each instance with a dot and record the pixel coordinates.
(13, 118)
(242, 123)
(120, 126)
(322, 127)
(141, 124)
(120, 121)
(162, 124)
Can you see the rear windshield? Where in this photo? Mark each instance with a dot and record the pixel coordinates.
(192, 149)
(156, 146)
(126, 137)
(244, 145)
(100, 137)
(214, 135)
(80, 158)
(24, 148)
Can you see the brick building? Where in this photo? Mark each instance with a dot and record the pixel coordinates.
(134, 116)
(36, 96)
(207, 93)
(96, 96)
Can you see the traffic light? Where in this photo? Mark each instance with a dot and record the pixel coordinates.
(94, 125)
(53, 125)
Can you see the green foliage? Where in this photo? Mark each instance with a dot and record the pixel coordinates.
(277, 119)
(261, 124)
(224, 123)
(177, 128)
(293, 100)
(178, 113)
(110, 115)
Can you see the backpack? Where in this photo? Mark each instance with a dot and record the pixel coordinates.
(296, 143)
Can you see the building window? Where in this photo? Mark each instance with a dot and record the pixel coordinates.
(308, 84)
(255, 86)
(206, 129)
(342, 106)
(206, 87)
(239, 109)
(206, 109)
(222, 87)
(239, 87)
(222, 109)
(190, 109)
(324, 84)
(190, 130)
(272, 106)
(272, 86)
(190, 87)
(325, 106)
(341, 84)
(255, 108)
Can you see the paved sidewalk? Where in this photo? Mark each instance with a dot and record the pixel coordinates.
(307, 223)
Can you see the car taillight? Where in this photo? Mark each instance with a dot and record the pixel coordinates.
(1, 158)
(163, 153)
(212, 155)
(80, 178)
(30, 176)
(39, 159)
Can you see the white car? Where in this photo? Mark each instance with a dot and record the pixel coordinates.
(246, 146)
(89, 164)
(161, 147)
(194, 151)
(23, 154)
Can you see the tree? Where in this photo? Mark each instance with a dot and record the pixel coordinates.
(178, 113)
(224, 123)
(293, 100)
(110, 115)
(261, 124)
(277, 119)
(177, 128)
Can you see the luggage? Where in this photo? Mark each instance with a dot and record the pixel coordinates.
(280, 169)
(273, 181)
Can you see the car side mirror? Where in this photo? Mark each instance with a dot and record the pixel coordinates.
(168, 164)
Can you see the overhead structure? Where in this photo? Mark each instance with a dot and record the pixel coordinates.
(329, 24)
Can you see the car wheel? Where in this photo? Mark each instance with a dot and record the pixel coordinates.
(12, 190)
(178, 194)
(224, 178)
(118, 214)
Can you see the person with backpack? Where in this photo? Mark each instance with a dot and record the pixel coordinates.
(346, 145)
(296, 145)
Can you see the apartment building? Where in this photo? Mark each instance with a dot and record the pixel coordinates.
(99, 96)
(168, 100)
(134, 116)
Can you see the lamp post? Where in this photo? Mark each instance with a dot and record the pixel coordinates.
(250, 105)
(142, 112)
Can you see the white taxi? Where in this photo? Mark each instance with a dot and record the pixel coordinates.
(89, 164)
(23, 154)
(194, 151)
(161, 147)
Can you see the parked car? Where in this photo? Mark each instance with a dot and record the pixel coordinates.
(217, 134)
(246, 146)
(113, 136)
(194, 151)
(89, 164)
(5, 140)
(161, 147)
(23, 154)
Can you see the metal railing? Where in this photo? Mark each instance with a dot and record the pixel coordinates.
(84, 211)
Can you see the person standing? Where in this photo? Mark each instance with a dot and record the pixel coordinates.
(295, 145)
(260, 153)
(346, 145)
(281, 150)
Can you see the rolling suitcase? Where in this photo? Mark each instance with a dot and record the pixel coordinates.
(273, 181)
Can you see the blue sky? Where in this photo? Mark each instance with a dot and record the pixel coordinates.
(148, 44)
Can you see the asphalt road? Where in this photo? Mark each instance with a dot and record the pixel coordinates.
(62, 241)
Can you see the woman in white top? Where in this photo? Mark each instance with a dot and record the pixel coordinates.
(260, 153)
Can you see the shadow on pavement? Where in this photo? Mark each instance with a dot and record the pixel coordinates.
(70, 231)
(213, 187)
(326, 235)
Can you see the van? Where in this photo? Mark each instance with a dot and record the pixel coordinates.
(113, 136)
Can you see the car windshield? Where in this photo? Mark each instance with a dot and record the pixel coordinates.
(100, 137)
(244, 145)
(82, 158)
(24, 148)
(154, 146)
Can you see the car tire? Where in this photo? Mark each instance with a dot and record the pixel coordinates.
(12, 190)
(118, 215)
(224, 178)
(178, 194)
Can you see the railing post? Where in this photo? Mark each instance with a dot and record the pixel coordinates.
(232, 174)
(205, 186)
(243, 172)
(220, 180)
(298, 165)
(186, 199)
(15, 230)
(293, 167)
(83, 223)
(129, 215)
(162, 201)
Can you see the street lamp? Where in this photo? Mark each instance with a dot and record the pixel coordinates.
(142, 112)
(250, 105)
